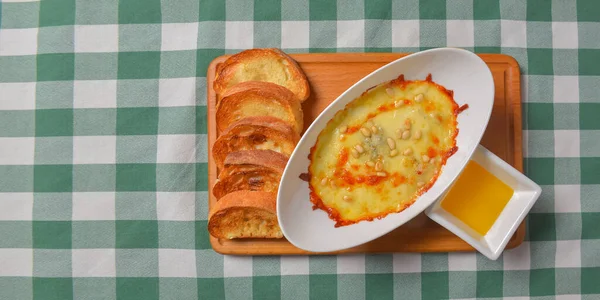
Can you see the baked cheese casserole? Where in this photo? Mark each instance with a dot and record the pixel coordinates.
(383, 150)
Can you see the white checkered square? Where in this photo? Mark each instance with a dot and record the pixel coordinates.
(569, 297)
(94, 149)
(176, 263)
(176, 148)
(88, 206)
(568, 254)
(565, 35)
(518, 258)
(179, 36)
(96, 38)
(94, 262)
(295, 34)
(17, 150)
(405, 33)
(237, 266)
(94, 94)
(567, 198)
(566, 89)
(16, 262)
(239, 34)
(350, 34)
(351, 264)
(460, 33)
(177, 92)
(462, 261)
(17, 95)
(176, 206)
(406, 262)
(566, 143)
(21, 41)
(16, 206)
(513, 33)
(294, 265)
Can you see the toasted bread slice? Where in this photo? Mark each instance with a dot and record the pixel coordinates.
(254, 170)
(255, 98)
(245, 214)
(266, 133)
(270, 65)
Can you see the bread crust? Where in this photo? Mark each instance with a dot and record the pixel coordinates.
(229, 217)
(260, 132)
(255, 98)
(225, 77)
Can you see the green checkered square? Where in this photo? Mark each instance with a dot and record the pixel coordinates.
(267, 34)
(587, 86)
(377, 286)
(568, 226)
(202, 236)
(137, 121)
(209, 264)
(432, 10)
(97, 12)
(55, 39)
(136, 262)
(176, 234)
(241, 10)
(201, 177)
(586, 33)
(96, 66)
(52, 178)
(539, 34)
(589, 167)
(180, 11)
(178, 120)
(135, 205)
(567, 170)
(104, 233)
(378, 263)
(139, 65)
(180, 178)
(54, 150)
(545, 140)
(485, 264)
(458, 280)
(513, 9)
(54, 94)
(52, 288)
(52, 206)
(540, 61)
(201, 205)
(15, 234)
(589, 221)
(17, 68)
(19, 15)
(175, 64)
(540, 88)
(435, 285)
(265, 285)
(137, 234)
(588, 11)
(267, 10)
(139, 11)
(94, 288)
(541, 227)
(542, 282)
(586, 115)
(95, 121)
(489, 284)
(378, 33)
(355, 9)
(265, 266)
(52, 263)
(323, 34)
(566, 61)
(20, 179)
(203, 59)
(137, 288)
(564, 11)
(515, 283)
(136, 149)
(590, 192)
(54, 122)
(589, 282)
(322, 286)
(568, 281)
(16, 287)
(51, 67)
(17, 123)
(432, 33)
(539, 10)
(542, 254)
(566, 116)
(178, 288)
(484, 10)
(136, 177)
(139, 37)
(57, 12)
(52, 234)
(94, 178)
(486, 33)
(403, 286)
(211, 288)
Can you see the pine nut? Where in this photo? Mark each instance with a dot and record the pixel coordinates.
(365, 131)
(399, 133)
(354, 153)
(342, 137)
(419, 97)
(391, 143)
(374, 130)
(417, 134)
(406, 135)
(332, 184)
(343, 129)
(407, 152)
(347, 198)
(378, 166)
(398, 103)
(393, 153)
(425, 158)
(381, 174)
(370, 163)
(420, 183)
(407, 124)
(390, 92)
(324, 181)
(359, 148)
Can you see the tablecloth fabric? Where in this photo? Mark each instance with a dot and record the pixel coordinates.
(103, 147)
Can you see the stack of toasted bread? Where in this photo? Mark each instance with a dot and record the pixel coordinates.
(259, 119)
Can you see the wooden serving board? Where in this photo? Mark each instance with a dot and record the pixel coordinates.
(330, 75)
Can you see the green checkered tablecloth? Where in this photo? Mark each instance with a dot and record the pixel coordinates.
(103, 147)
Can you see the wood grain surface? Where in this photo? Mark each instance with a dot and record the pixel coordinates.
(330, 75)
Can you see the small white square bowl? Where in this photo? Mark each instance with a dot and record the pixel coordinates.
(526, 192)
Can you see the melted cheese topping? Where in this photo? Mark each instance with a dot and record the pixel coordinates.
(383, 150)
